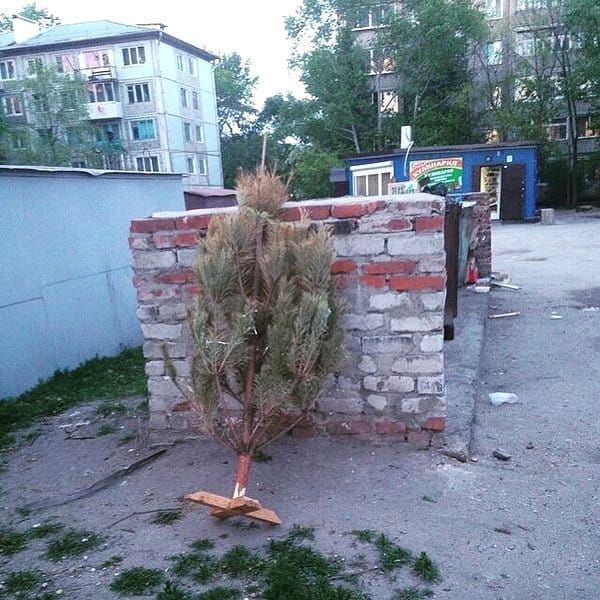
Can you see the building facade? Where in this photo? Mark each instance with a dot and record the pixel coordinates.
(150, 95)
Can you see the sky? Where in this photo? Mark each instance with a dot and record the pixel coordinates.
(253, 28)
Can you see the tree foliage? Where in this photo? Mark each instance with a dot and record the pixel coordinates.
(32, 12)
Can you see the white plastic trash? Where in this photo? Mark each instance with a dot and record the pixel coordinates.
(498, 398)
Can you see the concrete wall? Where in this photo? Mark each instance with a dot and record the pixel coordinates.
(65, 281)
(390, 268)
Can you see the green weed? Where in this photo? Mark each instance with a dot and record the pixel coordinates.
(113, 561)
(106, 429)
(73, 543)
(12, 542)
(426, 569)
(199, 566)
(391, 556)
(20, 583)
(172, 591)
(137, 581)
(202, 545)
(44, 530)
(299, 533)
(241, 562)
(220, 593)
(365, 535)
(125, 439)
(167, 517)
(108, 408)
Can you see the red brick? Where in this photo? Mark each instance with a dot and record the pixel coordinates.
(303, 432)
(191, 290)
(400, 224)
(151, 225)
(176, 277)
(163, 240)
(388, 426)
(435, 424)
(421, 439)
(377, 281)
(138, 281)
(390, 266)
(291, 213)
(182, 407)
(193, 222)
(349, 427)
(343, 211)
(372, 207)
(187, 238)
(345, 280)
(343, 266)
(403, 283)
(317, 213)
(429, 224)
(151, 293)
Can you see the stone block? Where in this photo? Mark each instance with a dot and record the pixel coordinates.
(161, 331)
(399, 344)
(347, 383)
(419, 364)
(391, 300)
(411, 244)
(377, 402)
(346, 405)
(158, 420)
(163, 386)
(147, 313)
(433, 301)
(424, 323)
(155, 349)
(410, 405)
(363, 322)
(431, 264)
(359, 245)
(187, 257)
(153, 260)
(432, 343)
(155, 368)
(393, 383)
(430, 385)
(173, 312)
(367, 365)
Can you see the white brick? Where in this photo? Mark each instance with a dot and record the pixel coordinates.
(146, 313)
(433, 301)
(387, 344)
(153, 260)
(163, 386)
(377, 402)
(348, 405)
(419, 364)
(172, 312)
(389, 384)
(431, 264)
(432, 343)
(410, 405)
(390, 300)
(345, 383)
(430, 385)
(363, 322)
(187, 257)
(359, 245)
(156, 349)
(424, 323)
(410, 244)
(161, 331)
(367, 365)
(155, 368)
(140, 243)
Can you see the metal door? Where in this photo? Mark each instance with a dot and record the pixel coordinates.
(512, 193)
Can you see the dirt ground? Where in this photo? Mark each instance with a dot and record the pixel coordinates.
(522, 529)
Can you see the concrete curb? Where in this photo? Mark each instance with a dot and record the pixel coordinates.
(462, 367)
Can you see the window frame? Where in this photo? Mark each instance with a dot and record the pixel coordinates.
(9, 100)
(202, 166)
(187, 131)
(179, 61)
(132, 92)
(134, 122)
(102, 85)
(8, 61)
(150, 160)
(183, 97)
(379, 169)
(128, 54)
(495, 57)
(199, 130)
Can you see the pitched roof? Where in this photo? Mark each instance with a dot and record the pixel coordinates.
(81, 33)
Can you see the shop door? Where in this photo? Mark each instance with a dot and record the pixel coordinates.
(512, 193)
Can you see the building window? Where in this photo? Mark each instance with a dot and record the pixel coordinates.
(372, 180)
(7, 70)
(18, 140)
(190, 164)
(525, 90)
(493, 53)
(64, 63)
(179, 62)
(200, 134)
(108, 132)
(202, 168)
(13, 105)
(134, 56)
(377, 16)
(184, 97)
(588, 127)
(557, 131)
(97, 58)
(34, 65)
(529, 5)
(195, 104)
(493, 9)
(149, 164)
(143, 129)
(525, 45)
(187, 132)
(192, 66)
(380, 61)
(138, 92)
(496, 97)
(101, 92)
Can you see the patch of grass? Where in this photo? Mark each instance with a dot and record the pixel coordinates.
(115, 377)
(261, 457)
(73, 543)
(200, 567)
(241, 562)
(113, 561)
(412, 593)
(426, 569)
(125, 439)
(428, 499)
(299, 533)
(109, 407)
(19, 583)
(44, 530)
(106, 429)
(220, 593)
(391, 556)
(12, 542)
(365, 535)
(172, 591)
(202, 545)
(167, 517)
(137, 581)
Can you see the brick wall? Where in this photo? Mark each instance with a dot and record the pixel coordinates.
(481, 219)
(390, 267)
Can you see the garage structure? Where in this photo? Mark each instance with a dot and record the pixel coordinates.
(507, 171)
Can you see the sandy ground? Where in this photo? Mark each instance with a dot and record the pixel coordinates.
(516, 530)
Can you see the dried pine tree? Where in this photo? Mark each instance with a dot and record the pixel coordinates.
(266, 323)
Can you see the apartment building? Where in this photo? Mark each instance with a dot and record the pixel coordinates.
(150, 94)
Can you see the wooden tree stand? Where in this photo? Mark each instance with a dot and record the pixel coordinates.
(239, 505)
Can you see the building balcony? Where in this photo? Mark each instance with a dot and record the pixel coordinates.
(105, 110)
(94, 74)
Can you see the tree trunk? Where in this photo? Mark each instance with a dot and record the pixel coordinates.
(241, 477)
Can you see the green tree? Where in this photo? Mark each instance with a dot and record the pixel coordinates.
(310, 169)
(234, 85)
(32, 12)
(57, 131)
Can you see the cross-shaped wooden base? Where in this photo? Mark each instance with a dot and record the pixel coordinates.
(224, 508)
